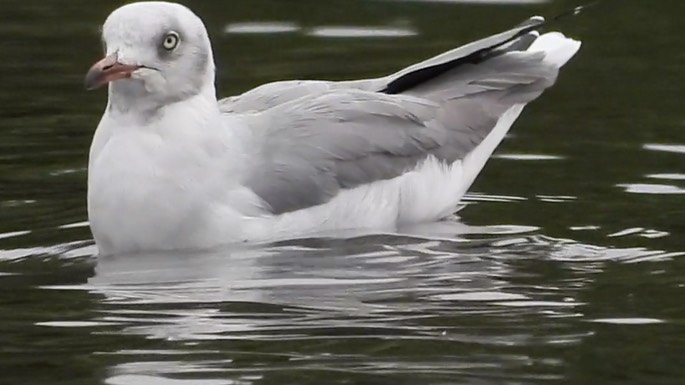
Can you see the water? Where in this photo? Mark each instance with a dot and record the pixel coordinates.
(566, 267)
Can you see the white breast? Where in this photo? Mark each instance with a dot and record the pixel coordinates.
(162, 185)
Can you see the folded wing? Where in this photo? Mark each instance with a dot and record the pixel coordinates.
(272, 94)
(312, 147)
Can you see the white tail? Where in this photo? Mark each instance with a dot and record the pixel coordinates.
(558, 48)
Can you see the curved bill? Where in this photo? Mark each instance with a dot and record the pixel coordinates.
(107, 70)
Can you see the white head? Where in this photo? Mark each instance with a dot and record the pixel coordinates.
(157, 53)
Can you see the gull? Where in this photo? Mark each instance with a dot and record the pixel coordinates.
(173, 167)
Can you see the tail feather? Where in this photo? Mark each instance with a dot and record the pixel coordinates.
(558, 48)
(471, 53)
(522, 37)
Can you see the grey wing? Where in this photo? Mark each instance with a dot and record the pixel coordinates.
(333, 138)
(313, 147)
(518, 38)
(272, 94)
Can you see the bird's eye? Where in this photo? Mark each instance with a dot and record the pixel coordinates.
(171, 41)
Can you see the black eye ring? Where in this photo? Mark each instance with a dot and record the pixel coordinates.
(171, 41)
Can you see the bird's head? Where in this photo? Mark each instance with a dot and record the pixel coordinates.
(156, 53)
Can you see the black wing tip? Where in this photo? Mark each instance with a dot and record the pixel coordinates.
(526, 33)
(533, 21)
(576, 10)
(537, 22)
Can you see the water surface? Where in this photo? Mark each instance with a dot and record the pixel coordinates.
(566, 266)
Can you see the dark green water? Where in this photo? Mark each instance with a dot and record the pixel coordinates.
(567, 266)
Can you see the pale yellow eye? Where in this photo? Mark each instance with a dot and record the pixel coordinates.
(171, 41)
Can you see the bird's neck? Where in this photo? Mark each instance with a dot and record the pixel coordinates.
(146, 112)
(193, 125)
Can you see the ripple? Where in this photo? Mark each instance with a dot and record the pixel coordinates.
(649, 188)
(74, 324)
(572, 251)
(74, 225)
(68, 171)
(669, 176)
(321, 31)
(13, 234)
(625, 232)
(556, 198)
(628, 321)
(361, 31)
(539, 304)
(646, 233)
(678, 148)
(653, 234)
(17, 203)
(500, 2)
(271, 283)
(137, 379)
(261, 28)
(478, 197)
(67, 250)
(485, 296)
(527, 157)
(315, 303)
(584, 228)
(504, 230)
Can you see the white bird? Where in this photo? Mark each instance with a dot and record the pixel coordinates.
(172, 167)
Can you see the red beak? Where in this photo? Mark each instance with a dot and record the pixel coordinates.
(107, 70)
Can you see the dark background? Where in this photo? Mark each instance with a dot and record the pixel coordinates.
(570, 271)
